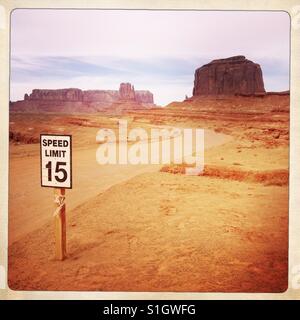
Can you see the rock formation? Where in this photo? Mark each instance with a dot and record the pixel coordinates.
(104, 96)
(77, 100)
(230, 76)
(126, 93)
(144, 96)
(58, 95)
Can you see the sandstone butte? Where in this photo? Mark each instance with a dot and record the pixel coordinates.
(126, 92)
(231, 76)
(77, 100)
(234, 76)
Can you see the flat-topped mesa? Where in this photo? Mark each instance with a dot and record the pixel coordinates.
(71, 94)
(126, 92)
(144, 96)
(231, 76)
(106, 96)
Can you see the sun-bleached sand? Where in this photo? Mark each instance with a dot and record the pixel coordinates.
(157, 229)
(31, 205)
(164, 232)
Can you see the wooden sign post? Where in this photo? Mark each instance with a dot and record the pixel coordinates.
(56, 172)
(60, 224)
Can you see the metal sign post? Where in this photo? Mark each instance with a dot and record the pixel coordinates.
(56, 172)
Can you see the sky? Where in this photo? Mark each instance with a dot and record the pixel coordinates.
(154, 50)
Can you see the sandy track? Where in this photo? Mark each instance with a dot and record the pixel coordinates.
(30, 205)
(164, 232)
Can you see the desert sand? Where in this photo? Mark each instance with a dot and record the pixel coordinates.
(27, 213)
(152, 228)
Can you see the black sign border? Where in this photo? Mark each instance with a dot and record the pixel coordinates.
(71, 165)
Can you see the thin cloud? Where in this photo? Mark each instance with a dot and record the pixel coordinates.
(155, 50)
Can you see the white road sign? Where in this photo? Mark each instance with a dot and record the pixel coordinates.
(56, 161)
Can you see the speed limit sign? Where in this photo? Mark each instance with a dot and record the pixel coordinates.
(56, 161)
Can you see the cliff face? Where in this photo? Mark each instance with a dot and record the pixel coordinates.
(126, 93)
(100, 96)
(231, 76)
(144, 96)
(58, 95)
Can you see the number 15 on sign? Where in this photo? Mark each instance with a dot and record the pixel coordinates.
(56, 161)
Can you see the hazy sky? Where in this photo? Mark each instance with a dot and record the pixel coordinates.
(154, 50)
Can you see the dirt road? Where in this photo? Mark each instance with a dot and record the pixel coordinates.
(30, 205)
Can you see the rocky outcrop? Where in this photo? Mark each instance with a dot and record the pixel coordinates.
(77, 100)
(105, 96)
(144, 96)
(57, 94)
(126, 93)
(230, 76)
(278, 93)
